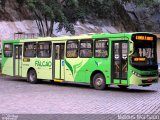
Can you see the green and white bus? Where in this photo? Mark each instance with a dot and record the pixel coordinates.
(100, 60)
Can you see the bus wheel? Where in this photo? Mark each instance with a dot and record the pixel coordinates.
(52, 81)
(98, 82)
(32, 76)
(123, 86)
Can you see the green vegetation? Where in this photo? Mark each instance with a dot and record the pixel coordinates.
(67, 12)
(3, 3)
(49, 11)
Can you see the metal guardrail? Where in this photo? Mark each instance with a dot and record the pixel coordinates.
(22, 35)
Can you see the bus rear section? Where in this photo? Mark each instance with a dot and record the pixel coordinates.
(7, 58)
(143, 60)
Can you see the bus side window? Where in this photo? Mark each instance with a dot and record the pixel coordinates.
(72, 49)
(8, 50)
(57, 52)
(101, 48)
(62, 52)
(44, 49)
(86, 48)
(30, 49)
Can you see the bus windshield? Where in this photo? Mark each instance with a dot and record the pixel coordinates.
(144, 54)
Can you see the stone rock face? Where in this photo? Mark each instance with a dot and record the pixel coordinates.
(146, 18)
(13, 12)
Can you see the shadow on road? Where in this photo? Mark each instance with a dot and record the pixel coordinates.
(114, 88)
(139, 89)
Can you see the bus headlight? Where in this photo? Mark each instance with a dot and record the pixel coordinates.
(136, 74)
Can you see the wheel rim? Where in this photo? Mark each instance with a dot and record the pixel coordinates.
(32, 76)
(99, 82)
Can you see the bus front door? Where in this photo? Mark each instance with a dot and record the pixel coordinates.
(17, 60)
(119, 62)
(58, 61)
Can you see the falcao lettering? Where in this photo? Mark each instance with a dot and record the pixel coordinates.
(43, 63)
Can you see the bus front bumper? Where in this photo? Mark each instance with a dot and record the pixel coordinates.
(143, 81)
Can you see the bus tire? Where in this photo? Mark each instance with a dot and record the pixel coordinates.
(123, 86)
(99, 82)
(32, 76)
(52, 81)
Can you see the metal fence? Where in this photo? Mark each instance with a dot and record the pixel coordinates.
(22, 35)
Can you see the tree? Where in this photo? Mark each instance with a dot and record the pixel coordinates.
(20, 2)
(3, 3)
(49, 11)
(67, 12)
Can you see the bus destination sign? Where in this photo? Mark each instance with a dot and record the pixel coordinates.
(143, 37)
(139, 59)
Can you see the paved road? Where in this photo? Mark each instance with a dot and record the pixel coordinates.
(18, 96)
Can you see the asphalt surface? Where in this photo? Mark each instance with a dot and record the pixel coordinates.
(20, 97)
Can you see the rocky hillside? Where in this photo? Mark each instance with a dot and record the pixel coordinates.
(145, 18)
(128, 18)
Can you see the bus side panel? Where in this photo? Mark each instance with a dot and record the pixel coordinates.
(102, 65)
(80, 70)
(42, 66)
(75, 70)
(26, 65)
(92, 65)
(70, 68)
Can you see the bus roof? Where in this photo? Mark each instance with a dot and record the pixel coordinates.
(63, 38)
(84, 36)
